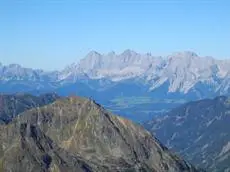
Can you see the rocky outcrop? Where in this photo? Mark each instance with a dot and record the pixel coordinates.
(76, 134)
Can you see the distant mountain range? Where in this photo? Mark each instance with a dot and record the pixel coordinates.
(77, 135)
(179, 77)
(198, 131)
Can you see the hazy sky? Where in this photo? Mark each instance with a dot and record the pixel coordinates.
(51, 34)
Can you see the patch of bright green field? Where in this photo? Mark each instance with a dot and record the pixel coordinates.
(129, 101)
(141, 108)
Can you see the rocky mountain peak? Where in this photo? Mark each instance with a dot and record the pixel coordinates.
(184, 54)
(93, 54)
(129, 53)
(111, 53)
(182, 71)
(14, 66)
(76, 133)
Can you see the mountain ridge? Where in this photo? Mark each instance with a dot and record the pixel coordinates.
(198, 131)
(109, 77)
(77, 133)
(183, 70)
(12, 105)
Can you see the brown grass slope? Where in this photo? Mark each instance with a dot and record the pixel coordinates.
(76, 134)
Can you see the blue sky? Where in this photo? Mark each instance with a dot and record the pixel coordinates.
(51, 34)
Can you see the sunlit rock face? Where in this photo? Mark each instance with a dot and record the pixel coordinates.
(76, 134)
(179, 77)
(184, 73)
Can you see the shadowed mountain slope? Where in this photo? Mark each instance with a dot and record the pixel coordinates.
(12, 105)
(198, 131)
